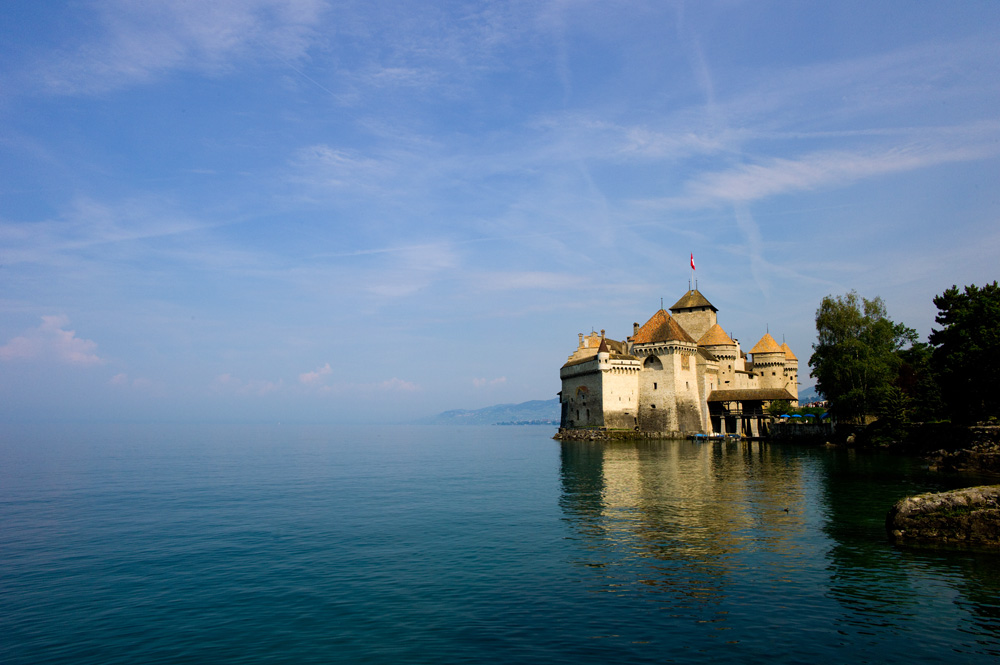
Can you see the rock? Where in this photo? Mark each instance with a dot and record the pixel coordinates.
(969, 517)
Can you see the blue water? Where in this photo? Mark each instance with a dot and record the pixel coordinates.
(281, 544)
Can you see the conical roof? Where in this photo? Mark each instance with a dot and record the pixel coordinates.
(788, 352)
(716, 336)
(661, 327)
(691, 300)
(766, 345)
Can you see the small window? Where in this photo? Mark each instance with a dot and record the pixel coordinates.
(654, 385)
(652, 406)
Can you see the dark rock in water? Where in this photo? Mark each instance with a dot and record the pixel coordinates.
(966, 518)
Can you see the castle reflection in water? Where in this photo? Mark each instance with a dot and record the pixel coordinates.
(738, 533)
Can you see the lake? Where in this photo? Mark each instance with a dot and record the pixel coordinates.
(242, 544)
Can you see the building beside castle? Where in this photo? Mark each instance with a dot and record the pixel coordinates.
(678, 373)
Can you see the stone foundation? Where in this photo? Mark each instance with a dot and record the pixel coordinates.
(615, 435)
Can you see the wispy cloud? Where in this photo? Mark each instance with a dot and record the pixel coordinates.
(123, 380)
(775, 176)
(395, 384)
(481, 383)
(51, 341)
(315, 376)
(138, 41)
(87, 223)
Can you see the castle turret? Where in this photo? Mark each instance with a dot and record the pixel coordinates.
(791, 371)
(721, 345)
(769, 362)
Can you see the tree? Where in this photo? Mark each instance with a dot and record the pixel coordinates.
(779, 407)
(855, 360)
(918, 381)
(966, 353)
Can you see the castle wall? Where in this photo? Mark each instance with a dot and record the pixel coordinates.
(669, 390)
(792, 378)
(689, 416)
(600, 393)
(657, 394)
(582, 396)
(620, 395)
(708, 380)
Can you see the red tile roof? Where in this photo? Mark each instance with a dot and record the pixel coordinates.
(661, 327)
(766, 345)
(716, 336)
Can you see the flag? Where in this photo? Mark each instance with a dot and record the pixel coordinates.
(692, 260)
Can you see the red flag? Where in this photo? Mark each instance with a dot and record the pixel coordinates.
(692, 260)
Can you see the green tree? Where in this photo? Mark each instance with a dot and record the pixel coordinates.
(918, 381)
(855, 360)
(966, 353)
(779, 407)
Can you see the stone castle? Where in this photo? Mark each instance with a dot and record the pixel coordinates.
(679, 373)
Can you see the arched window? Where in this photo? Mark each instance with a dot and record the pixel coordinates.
(652, 362)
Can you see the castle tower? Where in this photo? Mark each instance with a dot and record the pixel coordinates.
(769, 362)
(695, 314)
(721, 345)
(791, 371)
(669, 382)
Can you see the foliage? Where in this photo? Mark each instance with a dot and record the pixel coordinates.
(918, 381)
(855, 360)
(779, 407)
(966, 356)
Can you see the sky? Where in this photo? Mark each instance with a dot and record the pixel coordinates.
(324, 211)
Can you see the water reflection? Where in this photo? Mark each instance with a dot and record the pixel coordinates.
(787, 535)
(682, 517)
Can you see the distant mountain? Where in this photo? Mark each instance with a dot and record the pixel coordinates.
(535, 412)
(807, 395)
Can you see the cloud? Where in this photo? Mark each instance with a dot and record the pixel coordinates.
(413, 269)
(479, 383)
(138, 41)
(775, 176)
(397, 385)
(315, 376)
(86, 223)
(325, 166)
(51, 341)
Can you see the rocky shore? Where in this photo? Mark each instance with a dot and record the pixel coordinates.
(963, 518)
(597, 434)
(979, 451)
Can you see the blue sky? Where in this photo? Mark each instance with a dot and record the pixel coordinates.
(300, 210)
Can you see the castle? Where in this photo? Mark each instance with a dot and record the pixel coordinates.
(678, 373)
